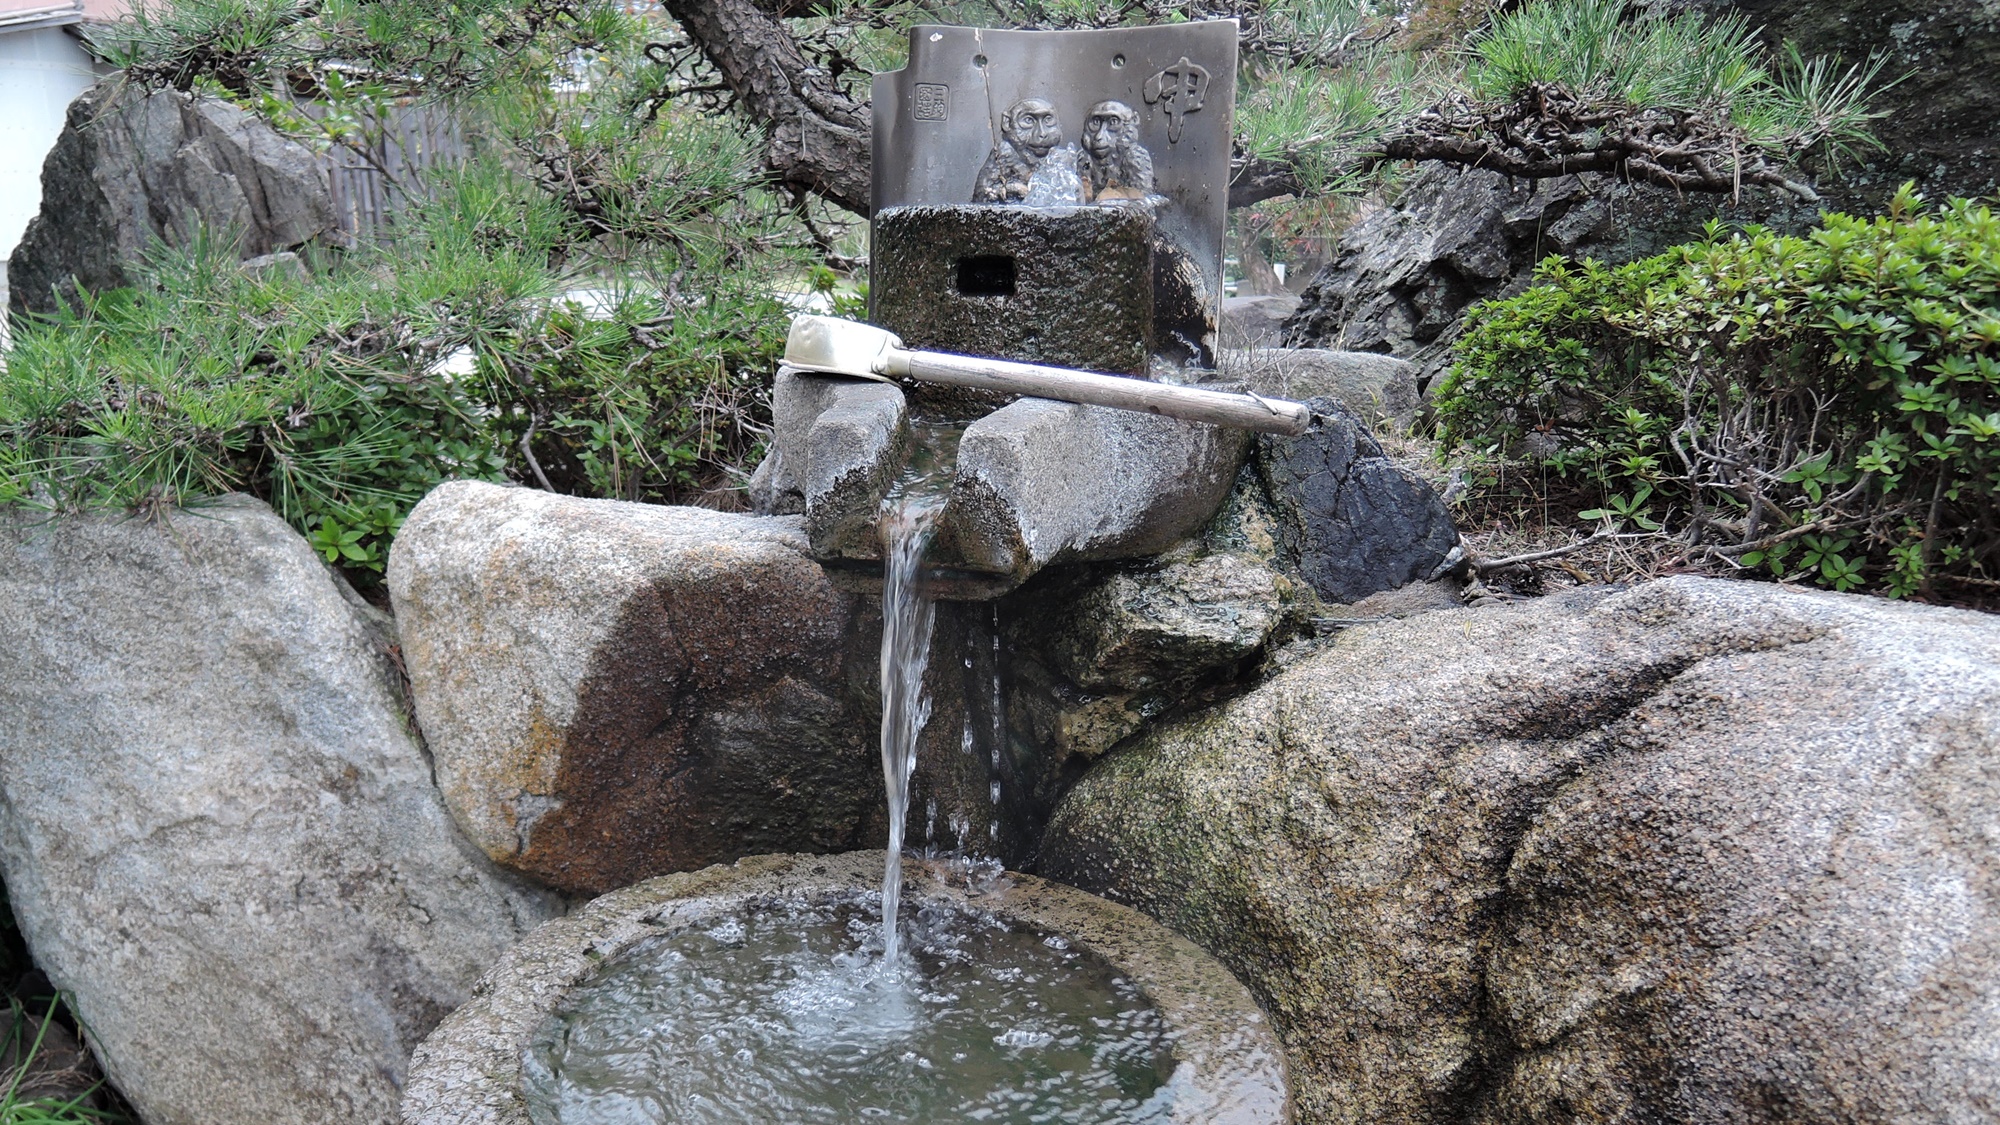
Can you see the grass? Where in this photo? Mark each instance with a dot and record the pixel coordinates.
(23, 1102)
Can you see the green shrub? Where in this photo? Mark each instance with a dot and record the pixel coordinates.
(342, 394)
(330, 395)
(1827, 403)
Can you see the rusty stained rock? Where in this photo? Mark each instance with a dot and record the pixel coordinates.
(615, 691)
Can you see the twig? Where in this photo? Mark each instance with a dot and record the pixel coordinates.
(1768, 541)
(1488, 566)
(528, 452)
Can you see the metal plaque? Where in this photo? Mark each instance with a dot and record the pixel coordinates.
(1127, 117)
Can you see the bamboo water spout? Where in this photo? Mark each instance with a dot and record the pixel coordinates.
(846, 347)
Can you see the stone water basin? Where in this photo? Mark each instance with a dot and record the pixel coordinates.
(1185, 1042)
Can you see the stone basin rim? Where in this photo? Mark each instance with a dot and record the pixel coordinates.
(468, 1071)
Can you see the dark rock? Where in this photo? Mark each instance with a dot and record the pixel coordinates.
(133, 166)
(1699, 851)
(1402, 277)
(1351, 521)
(613, 691)
(1940, 124)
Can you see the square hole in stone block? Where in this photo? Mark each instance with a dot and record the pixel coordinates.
(986, 275)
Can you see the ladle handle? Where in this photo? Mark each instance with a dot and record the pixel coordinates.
(1195, 404)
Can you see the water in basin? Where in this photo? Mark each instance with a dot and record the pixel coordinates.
(787, 1013)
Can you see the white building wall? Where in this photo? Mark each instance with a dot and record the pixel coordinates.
(41, 72)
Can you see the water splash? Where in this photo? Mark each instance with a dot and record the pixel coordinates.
(1055, 182)
(907, 616)
(780, 1014)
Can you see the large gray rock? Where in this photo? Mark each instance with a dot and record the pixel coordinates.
(135, 166)
(1697, 851)
(218, 829)
(614, 691)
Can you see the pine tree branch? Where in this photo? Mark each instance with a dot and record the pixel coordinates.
(816, 137)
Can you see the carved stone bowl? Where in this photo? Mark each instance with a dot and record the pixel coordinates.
(1230, 1068)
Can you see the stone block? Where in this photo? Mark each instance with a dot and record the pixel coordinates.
(854, 452)
(835, 477)
(1352, 521)
(1070, 287)
(1041, 482)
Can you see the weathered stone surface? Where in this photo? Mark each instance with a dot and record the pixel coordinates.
(1402, 277)
(1140, 628)
(1080, 294)
(856, 460)
(132, 166)
(219, 833)
(1042, 482)
(1697, 851)
(1938, 122)
(613, 691)
(1255, 322)
(836, 446)
(1352, 521)
(1369, 384)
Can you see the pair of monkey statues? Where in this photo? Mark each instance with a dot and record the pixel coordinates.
(1111, 164)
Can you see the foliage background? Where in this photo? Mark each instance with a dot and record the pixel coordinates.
(591, 302)
(1825, 405)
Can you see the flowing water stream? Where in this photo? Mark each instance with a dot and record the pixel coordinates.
(907, 616)
(783, 1013)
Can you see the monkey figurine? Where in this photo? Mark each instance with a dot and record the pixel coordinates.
(1028, 133)
(1115, 165)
